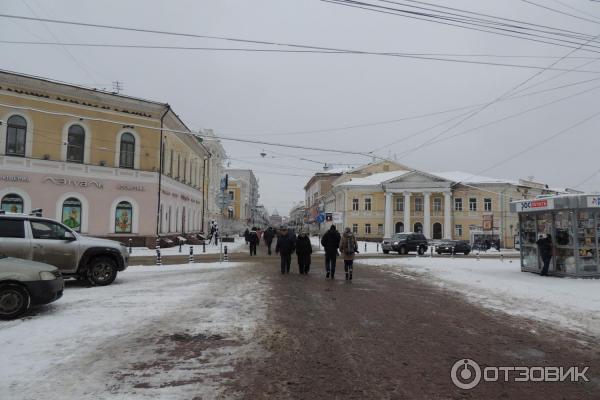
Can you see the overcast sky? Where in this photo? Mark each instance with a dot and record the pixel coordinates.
(263, 95)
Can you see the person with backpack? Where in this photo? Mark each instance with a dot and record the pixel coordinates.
(348, 247)
(331, 242)
(286, 245)
(303, 251)
(253, 240)
(268, 236)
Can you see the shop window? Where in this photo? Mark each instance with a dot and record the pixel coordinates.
(487, 204)
(472, 204)
(458, 230)
(437, 204)
(354, 204)
(75, 144)
(16, 136)
(12, 228)
(355, 229)
(127, 153)
(418, 204)
(123, 217)
(380, 229)
(458, 204)
(367, 229)
(71, 213)
(367, 204)
(12, 203)
(418, 227)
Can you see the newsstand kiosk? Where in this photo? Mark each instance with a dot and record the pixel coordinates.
(574, 223)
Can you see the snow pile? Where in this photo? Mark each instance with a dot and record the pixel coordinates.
(237, 246)
(570, 303)
(166, 332)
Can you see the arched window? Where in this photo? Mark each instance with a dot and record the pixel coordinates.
(12, 203)
(71, 213)
(437, 230)
(16, 135)
(127, 157)
(75, 144)
(418, 227)
(123, 217)
(399, 227)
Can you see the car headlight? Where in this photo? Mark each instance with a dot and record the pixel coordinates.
(395, 243)
(47, 276)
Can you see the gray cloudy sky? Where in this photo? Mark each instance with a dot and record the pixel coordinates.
(262, 95)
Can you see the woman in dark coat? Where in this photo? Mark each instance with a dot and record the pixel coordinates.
(303, 250)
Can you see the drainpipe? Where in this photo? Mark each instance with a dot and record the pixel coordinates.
(160, 169)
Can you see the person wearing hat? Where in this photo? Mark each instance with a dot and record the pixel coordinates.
(268, 237)
(303, 251)
(331, 242)
(348, 247)
(286, 245)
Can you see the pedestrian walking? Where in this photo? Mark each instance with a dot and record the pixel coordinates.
(331, 242)
(253, 241)
(268, 237)
(286, 245)
(247, 235)
(303, 251)
(545, 250)
(348, 247)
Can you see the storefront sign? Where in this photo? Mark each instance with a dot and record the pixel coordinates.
(535, 205)
(593, 201)
(10, 178)
(131, 188)
(73, 182)
(488, 222)
(337, 218)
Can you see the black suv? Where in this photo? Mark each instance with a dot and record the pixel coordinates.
(405, 242)
(453, 247)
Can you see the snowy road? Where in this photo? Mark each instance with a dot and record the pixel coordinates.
(167, 333)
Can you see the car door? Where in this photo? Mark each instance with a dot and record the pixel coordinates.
(50, 245)
(410, 243)
(13, 240)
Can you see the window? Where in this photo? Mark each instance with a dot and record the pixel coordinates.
(16, 135)
(12, 228)
(367, 204)
(230, 213)
(437, 204)
(75, 144)
(231, 195)
(367, 229)
(399, 227)
(127, 157)
(418, 227)
(12, 203)
(47, 230)
(123, 217)
(458, 206)
(458, 230)
(472, 204)
(355, 228)
(380, 229)
(354, 204)
(399, 204)
(487, 204)
(71, 213)
(418, 204)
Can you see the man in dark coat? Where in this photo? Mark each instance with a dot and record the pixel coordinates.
(331, 243)
(246, 235)
(303, 251)
(286, 245)
(545, 251)
(269, 235)
(253, 240)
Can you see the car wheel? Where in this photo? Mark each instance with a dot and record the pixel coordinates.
(14, 301)
(402, 250)
(439, 252)
(421, 250)
(467, 253)
(386, 252)
(101, 271)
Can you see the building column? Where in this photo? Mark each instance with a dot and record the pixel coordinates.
(427, 214)
(388, 222)
(447, 215)
(407, 227)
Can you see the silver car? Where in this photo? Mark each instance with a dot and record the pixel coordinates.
(41, 239)
(24, 283)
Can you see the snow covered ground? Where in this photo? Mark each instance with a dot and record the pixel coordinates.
(569, 303)
(171, 332)
(237, 246)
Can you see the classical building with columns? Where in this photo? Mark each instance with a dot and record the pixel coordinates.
(384, 198)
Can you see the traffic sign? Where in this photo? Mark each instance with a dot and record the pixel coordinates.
(223, 200)
(320, 218)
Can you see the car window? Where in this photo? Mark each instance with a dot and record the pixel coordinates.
(47, 230)
(12, 228)
(399, 236)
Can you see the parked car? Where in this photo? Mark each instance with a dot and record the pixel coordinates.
(453, 247)
(35, 238)
(405, 242)
(24, 283)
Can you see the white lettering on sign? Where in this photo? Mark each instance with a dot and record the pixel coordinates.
(132, 188)
(593, 201)
(535, 205)
(73, 182)
(9, 178)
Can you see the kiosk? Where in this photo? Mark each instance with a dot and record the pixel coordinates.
(574, 223)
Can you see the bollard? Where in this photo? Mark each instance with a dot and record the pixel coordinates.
(431, 252)
(225, 256)
(502, 257)
(204, 246)
(477, 256)
(180, 246)
(158, 258)
(216, 239)
(130, 246)
(452, 252)
(377, 247)
(191, 260)
(365, 247)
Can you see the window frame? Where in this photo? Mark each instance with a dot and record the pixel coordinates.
(458, 204)
(399, 203)
(367, 229)
(368, 204)
(437, 204)
(419, 204)
(62, 213)
(487, 204)
(355, 229)
(458, 230)
(472, 204)
(129, 153)
(22, 204)
(74, 147)
(15, 129)
(131, 216)
(355, 204)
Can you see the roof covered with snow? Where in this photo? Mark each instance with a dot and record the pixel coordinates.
(375, 179)
(467, 177)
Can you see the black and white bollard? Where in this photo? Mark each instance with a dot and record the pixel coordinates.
(130, 246)
(502, 257)
(158, 260)
(365, 247)
(225, 255)
(431, 252)
(204, 246)
(378, 247)
(477, 256)
(180, 243)
(191, 259)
